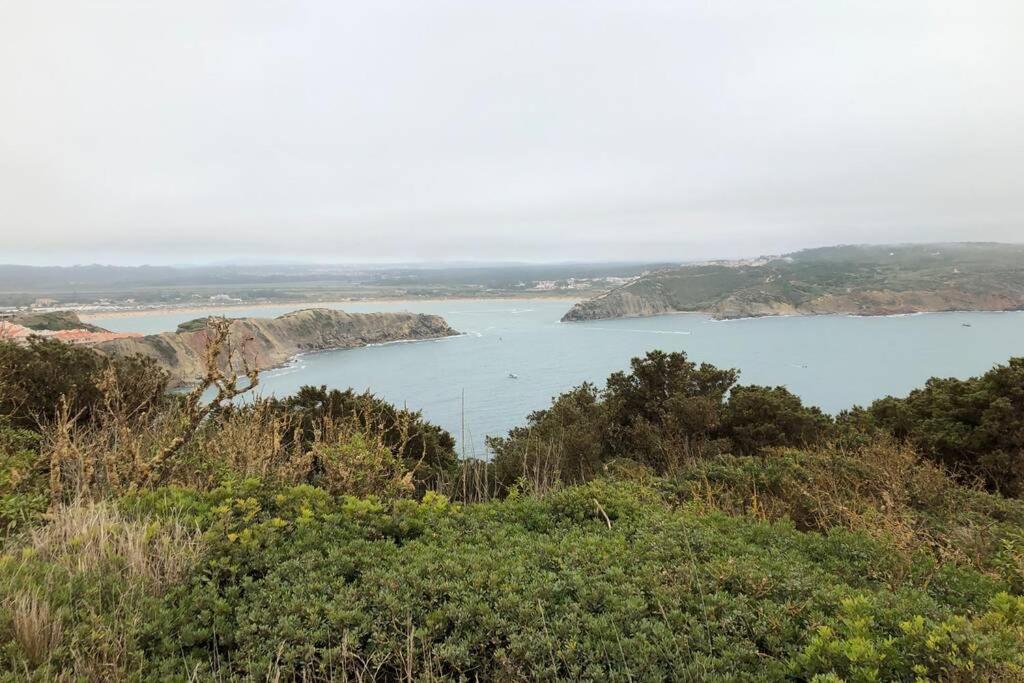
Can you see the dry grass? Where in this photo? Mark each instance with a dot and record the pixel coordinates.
(96, 537)
(36, 629)
(107, 457)
(830, 487)
(123, 559)
(112, 457)
(884, 489)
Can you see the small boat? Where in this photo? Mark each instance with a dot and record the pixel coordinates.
(965, 324)
(513, 375)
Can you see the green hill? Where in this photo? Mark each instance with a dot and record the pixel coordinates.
(54, 321)
(859, 280)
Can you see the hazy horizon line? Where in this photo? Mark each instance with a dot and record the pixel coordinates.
(473, 263)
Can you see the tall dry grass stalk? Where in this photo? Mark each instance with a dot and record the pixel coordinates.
(127, 446)
(473, 481)
(36, 629)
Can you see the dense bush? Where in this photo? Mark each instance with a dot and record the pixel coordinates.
(883, 489)
(563, 442)
(75, 593)
(41, 378)
(667, 411)
(422, 447)
(22, 479)
(758, 418)
(974, 427)
(607, 581)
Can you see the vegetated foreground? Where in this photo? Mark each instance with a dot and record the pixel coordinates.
(856, 280)
(670, 525)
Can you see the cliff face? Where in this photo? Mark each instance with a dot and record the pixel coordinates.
(844, 280)
(625, 304)
(271, 341)
(872, 302)
(620, 303)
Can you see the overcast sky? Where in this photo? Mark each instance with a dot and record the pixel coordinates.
(194, 131)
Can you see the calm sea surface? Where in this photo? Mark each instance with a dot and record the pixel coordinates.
(830, 361)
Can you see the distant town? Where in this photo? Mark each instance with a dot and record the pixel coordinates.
(104, 288)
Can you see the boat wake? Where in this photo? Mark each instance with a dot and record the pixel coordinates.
(619, 329)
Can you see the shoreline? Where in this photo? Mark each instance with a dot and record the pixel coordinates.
(768, 316)
(87, 315)
(848, 314)
(296, 358)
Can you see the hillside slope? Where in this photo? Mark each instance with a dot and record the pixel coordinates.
(53, 321)
(272, 341)
(857, 280)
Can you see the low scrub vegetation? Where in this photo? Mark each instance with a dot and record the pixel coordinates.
(672, 525)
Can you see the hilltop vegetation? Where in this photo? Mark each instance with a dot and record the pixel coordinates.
(54, 321)
(860, 280)
(672, 524)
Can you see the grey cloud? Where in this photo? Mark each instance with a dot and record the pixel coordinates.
(170, 132)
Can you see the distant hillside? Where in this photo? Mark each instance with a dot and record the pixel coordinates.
(132, 286)
(54, 321)
(858, 280)
(272, 341)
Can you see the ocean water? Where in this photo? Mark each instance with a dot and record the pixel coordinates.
(830, 361)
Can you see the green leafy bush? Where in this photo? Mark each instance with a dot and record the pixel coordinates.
(604, 581)
(37, 380)
(23, 496)
(758, 418)
(664, 413)
(974, 427)
(422, 446)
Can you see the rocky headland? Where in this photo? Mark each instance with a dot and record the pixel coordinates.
(269, 342)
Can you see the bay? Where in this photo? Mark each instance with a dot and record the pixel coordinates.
(830, 361)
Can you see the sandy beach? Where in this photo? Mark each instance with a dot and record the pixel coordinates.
(89, 315)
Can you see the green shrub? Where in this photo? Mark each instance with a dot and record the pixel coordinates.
(23, 496)
(869, 640)
(75, 593)
(38, 379)
(663, 414)
(883, 489)
(561, 443)
(604, 581)
(974, 427)
(422, 447)
(758, 418)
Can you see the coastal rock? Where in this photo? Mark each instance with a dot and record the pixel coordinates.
(268, 342)
(620, 303)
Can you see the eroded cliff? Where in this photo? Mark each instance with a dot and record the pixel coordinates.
(268, 342)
